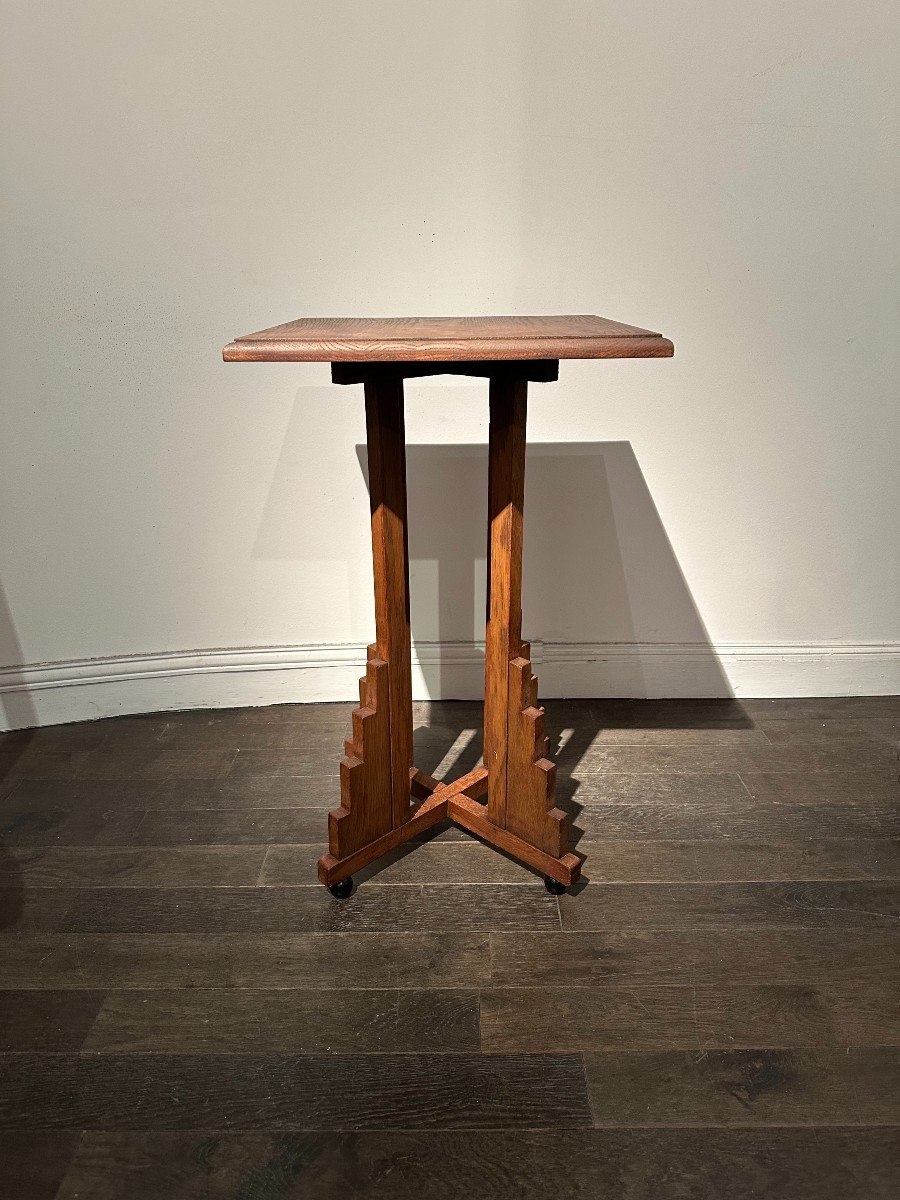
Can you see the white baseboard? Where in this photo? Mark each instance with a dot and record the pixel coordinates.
(52, 693)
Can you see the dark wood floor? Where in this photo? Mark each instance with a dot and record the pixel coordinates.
(185, 1012)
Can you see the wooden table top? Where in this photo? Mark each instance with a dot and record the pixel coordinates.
(446, 339)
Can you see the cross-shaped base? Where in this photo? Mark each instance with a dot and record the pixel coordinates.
(378, 780)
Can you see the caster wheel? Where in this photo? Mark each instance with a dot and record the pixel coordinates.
(342, 890)
(553, 886)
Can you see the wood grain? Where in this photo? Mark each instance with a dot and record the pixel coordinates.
(231, 1021)
(820, 787)
(332, 868)
(863, 1012)
(170, 866)
(32, 1165)
(255, 960)
(472, 816)
(254, 1091)
(416, 339)
(234, 827)
(762, 1086)
(637, 1164)
(685, 905)
(730, 1015)
(624, 861)
(503, 634)
(386, 447)
(652, 1018)
(47, 1021)
(726, 956)
(284, 910)
(246, 791)
(27, 822)
(747, 757)
(708, 821)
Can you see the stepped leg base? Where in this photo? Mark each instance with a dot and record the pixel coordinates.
(332, 870)
(459, 802)
(473, 816)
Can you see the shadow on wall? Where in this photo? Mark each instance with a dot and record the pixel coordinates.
(598, 565)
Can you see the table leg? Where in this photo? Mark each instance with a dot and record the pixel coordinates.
(375, 774)
(521, 778)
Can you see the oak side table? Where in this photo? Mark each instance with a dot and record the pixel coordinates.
(385, 799)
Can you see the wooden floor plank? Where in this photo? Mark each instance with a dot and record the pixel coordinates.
(249, 792)
(47, 1020)
(797, 955)
(865, 1013)
(769, 785)
(177, 987)
(23, 823)
(823, 708)
(812, 732)
(170, 866)
(283, 910)
(32, 910)
(127, 762)
(561, 1019)
(872, 757)
(290, 1021)
(639, 1164)
(725, 861)
(752, 822)
(285, 763)
(33, 1164)
(765, 1087)
(718, 735)
(854, 905)
(289, 960)
(722, 788)
(739, 712)
(726, 956)
(234, 828)
(255, 1091)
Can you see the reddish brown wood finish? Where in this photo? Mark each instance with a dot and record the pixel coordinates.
(375, 773)
(472, 816)
(506, 501)
(390, 559)
(378, 779)
(447, 339)
(530, 775)
(366, 812)
(333, 867)
(377, 776)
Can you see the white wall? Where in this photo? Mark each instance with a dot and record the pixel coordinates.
(177, 174)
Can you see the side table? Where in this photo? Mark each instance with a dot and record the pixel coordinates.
(385, 798)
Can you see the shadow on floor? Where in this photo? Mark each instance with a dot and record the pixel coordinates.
(448, 743)
(598, 567)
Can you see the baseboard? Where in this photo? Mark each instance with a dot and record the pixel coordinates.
(51, 693)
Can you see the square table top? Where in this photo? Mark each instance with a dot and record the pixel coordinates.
(446, 339)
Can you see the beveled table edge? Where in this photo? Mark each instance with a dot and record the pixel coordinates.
(472, 350)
